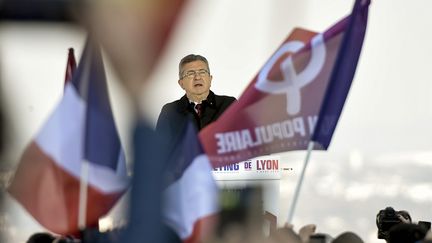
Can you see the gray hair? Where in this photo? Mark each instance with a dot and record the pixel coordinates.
(191, 58)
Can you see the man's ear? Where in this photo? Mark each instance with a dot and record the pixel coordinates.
(180, 82)
(211, 78)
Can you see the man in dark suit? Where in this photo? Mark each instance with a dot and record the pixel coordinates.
(199, 104)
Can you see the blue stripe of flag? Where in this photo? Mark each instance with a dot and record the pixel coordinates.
(102, 143)
(342, 74)
(187, 149)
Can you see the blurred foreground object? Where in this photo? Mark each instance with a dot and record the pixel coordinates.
(348, 237)
(133, 34)
(80, 132)
(37, 10)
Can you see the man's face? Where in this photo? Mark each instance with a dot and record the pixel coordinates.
(195, 78)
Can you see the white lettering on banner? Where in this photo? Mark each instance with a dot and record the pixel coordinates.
(312, 120)
(293, 81)
(238, 140)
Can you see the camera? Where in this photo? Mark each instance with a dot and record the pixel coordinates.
(320, 238)
(386, 219)
(425, 225)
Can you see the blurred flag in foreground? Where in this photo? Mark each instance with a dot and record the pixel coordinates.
(134, 35)
(295, 98)
(81, 128)
(191, 198)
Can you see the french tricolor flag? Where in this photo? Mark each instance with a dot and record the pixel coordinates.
(191, 198)
(81, 129)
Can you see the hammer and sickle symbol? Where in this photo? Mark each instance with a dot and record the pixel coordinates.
(293, 82)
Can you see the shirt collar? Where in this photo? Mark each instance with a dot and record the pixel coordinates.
(185, 103)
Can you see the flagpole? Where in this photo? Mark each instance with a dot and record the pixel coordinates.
(82, 209)
(300, 182)
(83, 195)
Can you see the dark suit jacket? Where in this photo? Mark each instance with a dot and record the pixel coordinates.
(174, 115)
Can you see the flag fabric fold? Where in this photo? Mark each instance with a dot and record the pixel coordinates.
(190, 200)
(295, 98)
(81, 127)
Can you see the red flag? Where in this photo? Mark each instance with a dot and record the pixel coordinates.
(279, 109)
(70, 66)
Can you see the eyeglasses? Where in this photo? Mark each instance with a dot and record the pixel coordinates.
(191, 74)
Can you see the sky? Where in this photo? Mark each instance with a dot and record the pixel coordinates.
(381, 151)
